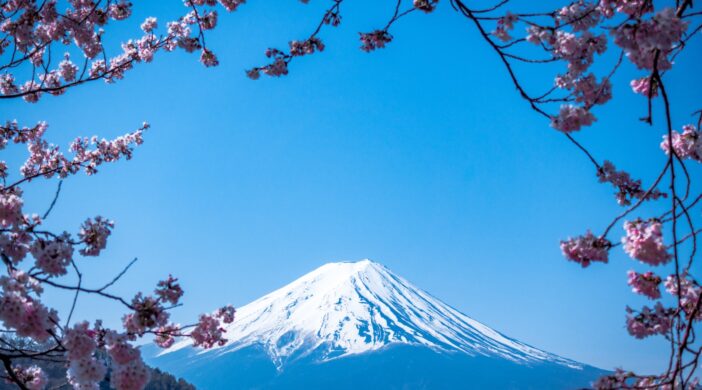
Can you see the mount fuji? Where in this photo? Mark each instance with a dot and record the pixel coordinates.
(358, 325)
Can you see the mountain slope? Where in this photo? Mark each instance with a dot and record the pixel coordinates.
(345, 313)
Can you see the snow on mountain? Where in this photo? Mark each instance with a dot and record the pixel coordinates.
(350, 308)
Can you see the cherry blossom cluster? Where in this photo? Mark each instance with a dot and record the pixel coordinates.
(374, 40)
(572, 118)
(576, 35)
(94, 233)
(651, 40)
(645, 86)
(21, 309)
(647, 284)
(644, 241)
(209, 330)
(31, 377)
(586, 249)
(505, 24)
(629, 380)
(47, 160)
(687, 144)
(648, 322)
(425, 5)
(31, 32)
(628, 188)
(689, 293)
(169, 290)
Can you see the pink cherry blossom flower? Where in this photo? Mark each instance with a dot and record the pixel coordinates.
(580, 15)
(208, 58)
(572, 118)
(308, 46)
(629, 7)
(149, 25)
(67, 69)
(226, 314)
(618, 380)
(644, 85)
(27, 316)
(86, 373)
(148, 314)
(649, 321)
(94, 234)
(169, 290)
(208, 20)
(32, 377)
(79, 341)
(121, 351)
(131, 376)
(690, 292)
(644, 242)
(504, 25)
(628, 188)
(165, 335)
(231, 5)
(426, 6)
(645, 284)
(687, 144)
(374, 40)
(15, 245)
(586, 249)
(208, 332)
(120, 10)
(10, 209)
(52, 257)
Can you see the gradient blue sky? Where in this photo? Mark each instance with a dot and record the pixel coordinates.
(421, 157)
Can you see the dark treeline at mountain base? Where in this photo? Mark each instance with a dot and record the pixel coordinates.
(57, 379)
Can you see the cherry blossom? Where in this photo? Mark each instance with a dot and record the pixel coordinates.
(586, 249)
(53, 256)
(27, 316)
(79, 341)
(32, 377)
(374, 40)
(226, 314)
(572, 118)
(169, 290)
(645, 284)
(689, 294)
(208, 332)
(687, 144)
(628, 188)
(148, 314)
(649, 321)
(131, 376)
(10, 209)
(165, 335)
(504, 25)
(618, 380)
(425, 5)
(644, 242)
(94, 234)
(645, 86)
(86, 373)
(580, 15)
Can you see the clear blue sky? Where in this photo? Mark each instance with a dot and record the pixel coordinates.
(421, 157)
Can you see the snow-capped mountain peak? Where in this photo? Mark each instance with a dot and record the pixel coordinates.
(349, 308)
